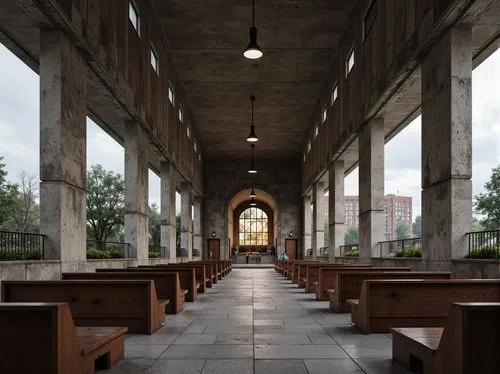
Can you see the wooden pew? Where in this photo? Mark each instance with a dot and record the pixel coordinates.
(311, 275)
(216, 268)
(41, 338)
(468, 343)
(277, 265)
(329, 289)
(414, 302)
(348, 283)
(131, 304)
(295, 269)
(167, 284)
(203, 273)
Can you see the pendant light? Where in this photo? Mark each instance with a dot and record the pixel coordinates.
(252, 195)
(252, 202)
(252, 169)
(252, 138)
(253, 51)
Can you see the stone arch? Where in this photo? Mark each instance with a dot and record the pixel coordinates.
(240, 202)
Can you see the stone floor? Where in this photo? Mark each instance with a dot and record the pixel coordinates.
(255, 321)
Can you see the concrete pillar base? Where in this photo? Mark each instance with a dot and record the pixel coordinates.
(444, 230)
(371, 233)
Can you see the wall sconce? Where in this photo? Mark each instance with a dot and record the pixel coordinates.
(213, 234)
(290, 234)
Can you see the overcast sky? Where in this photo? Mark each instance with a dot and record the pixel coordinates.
(19, 134)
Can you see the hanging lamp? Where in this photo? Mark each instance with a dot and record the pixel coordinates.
(253, 202)
(252, 195)
(253, 50)
(252, 138)
(252, 169)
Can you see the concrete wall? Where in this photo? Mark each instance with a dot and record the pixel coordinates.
(223, 180)
(464, 268)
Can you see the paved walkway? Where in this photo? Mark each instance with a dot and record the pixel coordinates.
(255, 321)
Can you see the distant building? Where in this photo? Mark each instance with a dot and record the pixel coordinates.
(397, 208)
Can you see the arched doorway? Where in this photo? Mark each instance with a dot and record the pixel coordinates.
(252, 228)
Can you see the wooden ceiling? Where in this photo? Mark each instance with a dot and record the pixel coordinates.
(298, 38)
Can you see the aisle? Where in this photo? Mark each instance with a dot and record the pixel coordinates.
(255, 321)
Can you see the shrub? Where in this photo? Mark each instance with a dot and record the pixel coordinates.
(115, 253)
(96, 254)
(9, 255)
(154, 254)
(488, 252)
(352, 253)
(409, 252)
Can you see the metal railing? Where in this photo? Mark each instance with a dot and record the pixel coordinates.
(18, 246)
(484, 241)
(349, 250)
(97, 249)
(391, 248)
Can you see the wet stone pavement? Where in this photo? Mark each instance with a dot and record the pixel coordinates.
(255, 321)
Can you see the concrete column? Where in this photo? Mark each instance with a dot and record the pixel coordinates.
(136, 190)
(197, 231)
(371, 189)
(168, 215)
(187, 219)
(336, 209)
(447, 146)
(318, 200)
(307, 242)
(63, 169)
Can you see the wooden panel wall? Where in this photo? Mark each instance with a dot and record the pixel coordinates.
(107, 28)
(378, 60)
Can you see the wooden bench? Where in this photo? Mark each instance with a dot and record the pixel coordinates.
(414, 302)
(41, 338)
(215, 265)
(348, 284)
(167, 284)
(311, 274)
(125, 303)
(468, 343)
(295, 269)
(203, 279)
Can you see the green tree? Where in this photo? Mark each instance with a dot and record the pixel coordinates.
(351, 236)
(476, 225)
(105, 204)
(25, 213)
(154, 226)
(9, 194)
(402, 230)
(417, 227)
(488, 203)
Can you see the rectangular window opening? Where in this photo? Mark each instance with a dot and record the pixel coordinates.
(334, 94)
(188, 131)
(154, 59)
(133, 16)
(324, 114)
(316, 131)
(195, 146)
(170, 94)
(180, 115)
(350, 62)
(369, 19)
(308, 146)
